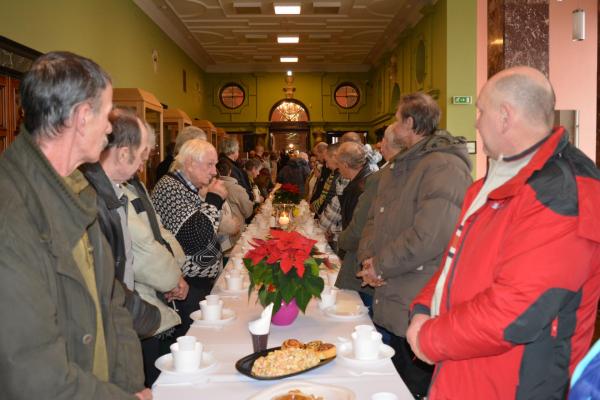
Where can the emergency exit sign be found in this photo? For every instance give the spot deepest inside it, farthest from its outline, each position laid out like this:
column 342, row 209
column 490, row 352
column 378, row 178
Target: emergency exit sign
column 462, row 100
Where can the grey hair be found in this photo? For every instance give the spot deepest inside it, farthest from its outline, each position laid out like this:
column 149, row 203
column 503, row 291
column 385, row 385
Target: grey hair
column 423, row 110
column 126, row 130
column 229, row 146
column 320, row 147
column 151, row 135
column 352, row 154
column 56, row 84
column 530, row 95
column 188, row 133
column 194, row 149
column 351, row 137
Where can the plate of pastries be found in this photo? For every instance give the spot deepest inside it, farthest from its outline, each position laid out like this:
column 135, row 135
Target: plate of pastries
column 291, row 358
column 300, row 390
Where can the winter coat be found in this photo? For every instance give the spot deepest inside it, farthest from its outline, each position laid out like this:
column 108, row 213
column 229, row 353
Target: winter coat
column 295, row 172
column 156, row 269
column 411, row 220
column 520, row 299
column 349, row 238
column 48, row 314
column 241, row 206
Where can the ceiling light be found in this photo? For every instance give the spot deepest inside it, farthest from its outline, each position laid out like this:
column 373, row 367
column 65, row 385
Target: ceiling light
column 578, row 25
column 288, row 39
column 288, row 59
column 290, row 73
column 287, row 9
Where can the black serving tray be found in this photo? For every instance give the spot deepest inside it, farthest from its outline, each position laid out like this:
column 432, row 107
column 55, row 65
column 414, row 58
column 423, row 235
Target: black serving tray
column 244, row 365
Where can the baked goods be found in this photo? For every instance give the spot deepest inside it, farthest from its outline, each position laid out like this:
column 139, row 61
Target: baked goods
column 294, row 356
column 296, row 395
column 284, row 362
column 326, row 350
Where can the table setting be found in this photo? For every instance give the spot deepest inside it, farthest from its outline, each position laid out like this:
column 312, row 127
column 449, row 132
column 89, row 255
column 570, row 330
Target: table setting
column 276, row 300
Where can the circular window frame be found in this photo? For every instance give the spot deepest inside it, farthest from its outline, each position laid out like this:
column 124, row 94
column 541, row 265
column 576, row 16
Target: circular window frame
column 341, row 86
column 227, row 86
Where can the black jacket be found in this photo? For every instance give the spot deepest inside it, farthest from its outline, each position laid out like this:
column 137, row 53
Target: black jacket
column 351, row 193
column 146, row 317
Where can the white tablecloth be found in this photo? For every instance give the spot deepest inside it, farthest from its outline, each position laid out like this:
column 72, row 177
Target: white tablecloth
column 231, row 342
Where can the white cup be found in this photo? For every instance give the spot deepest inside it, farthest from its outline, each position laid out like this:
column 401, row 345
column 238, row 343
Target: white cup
column 186, row 342
column 328, row 297
column 234, row 280
column 211, row 312
column 238, row 263
column 366, row 347
column 212, row 299
column 384, row 396
column 364, row 331
column 186, row 360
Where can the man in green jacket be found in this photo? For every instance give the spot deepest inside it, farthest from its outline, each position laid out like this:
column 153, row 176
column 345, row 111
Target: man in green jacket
column 64, row 331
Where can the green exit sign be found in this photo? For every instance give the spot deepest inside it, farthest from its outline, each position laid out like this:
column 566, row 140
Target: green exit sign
column 462, row 100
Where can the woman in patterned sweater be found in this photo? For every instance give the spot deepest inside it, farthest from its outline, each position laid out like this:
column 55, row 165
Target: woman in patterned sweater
column 189, row 203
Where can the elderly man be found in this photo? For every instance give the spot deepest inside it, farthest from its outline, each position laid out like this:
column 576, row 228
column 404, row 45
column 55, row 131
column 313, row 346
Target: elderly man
column 511, row 310
column 192, row 216
column 230, row 152
column 349, row 238
column 373, row 157
column 64, row 331
column 322, row 172
column 410, row 221
column 127, row 147
column 187, row 133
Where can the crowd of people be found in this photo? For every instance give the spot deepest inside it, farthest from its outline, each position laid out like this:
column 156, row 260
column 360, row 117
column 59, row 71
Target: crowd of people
column 493, row 284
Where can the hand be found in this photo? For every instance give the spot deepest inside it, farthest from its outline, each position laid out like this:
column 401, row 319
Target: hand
column 412, row 335
column 179, row 292
column 217, row 187
column 145, row 394
column 369, row 275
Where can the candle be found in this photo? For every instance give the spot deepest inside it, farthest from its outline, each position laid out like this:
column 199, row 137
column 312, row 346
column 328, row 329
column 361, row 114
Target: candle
column 284, row 219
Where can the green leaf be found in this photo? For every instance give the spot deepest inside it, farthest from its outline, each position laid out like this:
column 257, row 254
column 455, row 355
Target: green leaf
column 302, row 299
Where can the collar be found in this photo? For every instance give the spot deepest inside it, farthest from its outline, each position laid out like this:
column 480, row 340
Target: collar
column 551, row 145
column 102, row 184
column 181, row 176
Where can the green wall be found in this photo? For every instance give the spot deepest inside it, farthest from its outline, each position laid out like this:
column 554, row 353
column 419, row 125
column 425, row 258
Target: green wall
column 114, row 33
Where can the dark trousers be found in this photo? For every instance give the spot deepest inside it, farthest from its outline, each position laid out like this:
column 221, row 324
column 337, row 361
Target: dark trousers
column 415, row 373
column 152, row 348
column 199, row 288
column 367, row 300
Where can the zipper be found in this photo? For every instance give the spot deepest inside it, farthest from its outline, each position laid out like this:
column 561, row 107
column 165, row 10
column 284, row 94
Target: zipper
column 473, row 218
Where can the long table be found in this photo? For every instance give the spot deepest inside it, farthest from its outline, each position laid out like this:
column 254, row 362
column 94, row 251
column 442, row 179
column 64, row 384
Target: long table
column 230, row 342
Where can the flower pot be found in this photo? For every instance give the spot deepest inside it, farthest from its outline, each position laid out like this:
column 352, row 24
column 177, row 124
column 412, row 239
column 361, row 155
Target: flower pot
column 286, row 314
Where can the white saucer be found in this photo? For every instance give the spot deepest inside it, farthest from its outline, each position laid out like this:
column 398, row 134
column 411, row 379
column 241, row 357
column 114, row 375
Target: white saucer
column 348, row 314
column 165, row 364
column 227, row 315
column 346, row 353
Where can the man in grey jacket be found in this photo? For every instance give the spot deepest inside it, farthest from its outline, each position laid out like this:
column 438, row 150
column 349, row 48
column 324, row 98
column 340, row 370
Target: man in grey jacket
column 64, row 332
column 410, row 221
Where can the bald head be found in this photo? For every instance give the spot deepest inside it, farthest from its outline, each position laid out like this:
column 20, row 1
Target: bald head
column 350, row 137
column 528, row 91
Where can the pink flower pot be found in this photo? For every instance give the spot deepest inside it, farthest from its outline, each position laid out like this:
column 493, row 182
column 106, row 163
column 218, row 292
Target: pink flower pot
column 286, row 314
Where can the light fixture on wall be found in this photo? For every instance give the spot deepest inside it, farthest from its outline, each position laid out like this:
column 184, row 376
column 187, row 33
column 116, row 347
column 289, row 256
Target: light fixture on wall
column 578, row 25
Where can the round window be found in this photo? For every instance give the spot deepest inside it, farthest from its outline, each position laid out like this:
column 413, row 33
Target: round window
column 347, row 95
column 232, row 96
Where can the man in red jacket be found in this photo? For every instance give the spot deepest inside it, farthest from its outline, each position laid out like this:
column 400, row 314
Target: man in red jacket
column 511, row 310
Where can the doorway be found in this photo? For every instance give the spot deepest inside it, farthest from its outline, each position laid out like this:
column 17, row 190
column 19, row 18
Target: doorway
column 289, row 126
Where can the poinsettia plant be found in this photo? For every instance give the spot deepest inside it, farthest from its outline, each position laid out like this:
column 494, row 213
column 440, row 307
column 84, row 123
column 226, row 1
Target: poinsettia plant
column 282, row 268
column 287, row 193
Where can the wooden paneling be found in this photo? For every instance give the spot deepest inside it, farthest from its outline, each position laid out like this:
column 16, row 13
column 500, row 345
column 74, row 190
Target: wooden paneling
column 10, row 111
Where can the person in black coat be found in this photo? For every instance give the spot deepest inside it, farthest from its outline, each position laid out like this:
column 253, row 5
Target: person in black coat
column 229, row 153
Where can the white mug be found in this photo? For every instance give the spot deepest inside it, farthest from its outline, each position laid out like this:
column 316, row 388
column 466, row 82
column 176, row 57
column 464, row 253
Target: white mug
column 186, row 360
column 364, row 330
column 328, row 297
column 186, row 342
column 234, row 280
column 212, row 299
column 366, row 347
column 211, row 312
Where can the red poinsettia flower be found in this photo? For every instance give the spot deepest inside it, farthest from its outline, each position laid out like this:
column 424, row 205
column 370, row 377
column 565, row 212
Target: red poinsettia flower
column 290, row 187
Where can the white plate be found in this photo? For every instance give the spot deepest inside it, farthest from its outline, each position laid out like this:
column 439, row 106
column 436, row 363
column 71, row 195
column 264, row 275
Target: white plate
column 346, row 353
column 165, row 364
column 223, row 288
column 346, row 313
column 227, row 315
column 328, row 392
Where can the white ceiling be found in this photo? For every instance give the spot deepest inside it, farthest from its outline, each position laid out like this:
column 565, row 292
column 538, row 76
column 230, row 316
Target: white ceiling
column 241, row 35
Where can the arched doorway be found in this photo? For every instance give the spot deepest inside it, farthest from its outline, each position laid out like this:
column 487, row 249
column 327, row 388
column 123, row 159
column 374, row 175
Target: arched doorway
column 289, row 126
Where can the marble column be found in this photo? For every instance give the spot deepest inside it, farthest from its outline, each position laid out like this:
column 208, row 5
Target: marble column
column 517, row 34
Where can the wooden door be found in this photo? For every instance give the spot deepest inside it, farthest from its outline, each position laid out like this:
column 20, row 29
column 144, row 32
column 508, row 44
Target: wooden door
column 5, row 131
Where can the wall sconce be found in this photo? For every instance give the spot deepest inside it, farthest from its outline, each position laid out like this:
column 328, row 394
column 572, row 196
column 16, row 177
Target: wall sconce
column 578, row 25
